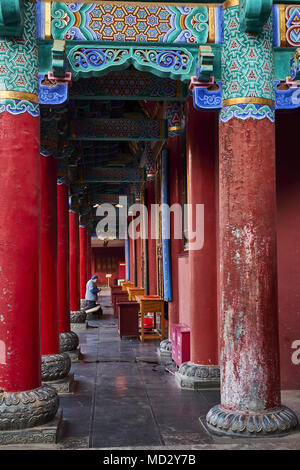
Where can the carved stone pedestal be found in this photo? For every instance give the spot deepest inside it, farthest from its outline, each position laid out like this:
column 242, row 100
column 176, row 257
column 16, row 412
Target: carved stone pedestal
column 78, row 316
column 48, row 433
column 278, row 421
column 68, row 341
column 194, row 376
column 65, row 385
column 75, row 355
column 55, row 366
column 21, row 410
column 165, row 348
column 78, row 326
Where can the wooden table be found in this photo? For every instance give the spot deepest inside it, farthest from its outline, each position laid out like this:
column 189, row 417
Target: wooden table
column 156, row 305
column 133, row 291
column 126, row 284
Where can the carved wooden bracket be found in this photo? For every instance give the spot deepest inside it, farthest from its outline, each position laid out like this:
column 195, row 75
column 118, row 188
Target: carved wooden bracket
column 11, row 18
column 254, row 15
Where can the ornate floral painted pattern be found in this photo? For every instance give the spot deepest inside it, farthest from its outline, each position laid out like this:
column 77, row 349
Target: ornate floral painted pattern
column 119, row 129
column 19, row 107
column 135, row 23
column 19, row 68
column 286, row 25
column 247, row 60
column 19, row 57
column 94, row 60
column 132, row 83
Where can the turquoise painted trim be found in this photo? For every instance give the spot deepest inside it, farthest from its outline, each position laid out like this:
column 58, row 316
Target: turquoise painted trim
column 45, row 58
column 177, row 63
column 19, row 107
column 247, row 111
column 166, row 252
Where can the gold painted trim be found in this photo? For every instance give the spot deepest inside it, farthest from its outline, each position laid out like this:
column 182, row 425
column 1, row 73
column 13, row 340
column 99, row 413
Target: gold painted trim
column 211, row 24
column 48, row 6
column 174, row 128
column 282, row 25
column 18, row 95
column 231, row 3
column 248, row 99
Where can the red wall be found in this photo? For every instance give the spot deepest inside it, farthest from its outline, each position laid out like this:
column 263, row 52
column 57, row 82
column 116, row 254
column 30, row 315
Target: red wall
column 106, row 261
column 288, row 220
column 184, row 289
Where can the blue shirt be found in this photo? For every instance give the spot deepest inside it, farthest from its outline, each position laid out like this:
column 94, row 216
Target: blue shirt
column 91, row 290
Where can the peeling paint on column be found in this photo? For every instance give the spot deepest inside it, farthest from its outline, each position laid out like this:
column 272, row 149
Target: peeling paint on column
column 249, row 357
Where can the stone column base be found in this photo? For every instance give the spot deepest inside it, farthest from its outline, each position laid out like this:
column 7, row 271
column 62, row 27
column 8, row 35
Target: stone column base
column 22, row 410
column 48, row 433
column 78, row 326
column 68, row 341
column 55, row 366
column 78, row 316
column 195, row 376
column 277, row 421
column 65, row 385
column 165, row 348
column 78, row 320
column 75, row 355
column 83, row 303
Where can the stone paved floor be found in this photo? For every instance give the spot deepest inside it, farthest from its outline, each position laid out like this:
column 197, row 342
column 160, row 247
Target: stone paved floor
column 124, row 398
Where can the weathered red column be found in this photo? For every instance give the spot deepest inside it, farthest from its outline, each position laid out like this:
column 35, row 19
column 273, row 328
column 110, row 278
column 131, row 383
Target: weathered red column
column 138, row 262
column 82, row 263
column 150, row 188
column 76, row 315
column 250, row 374
column 88, row 251
column 203, row 369
column 55, row 365
column 174, row 115
column 68, row 340
column 131, row 253
column 20, row 358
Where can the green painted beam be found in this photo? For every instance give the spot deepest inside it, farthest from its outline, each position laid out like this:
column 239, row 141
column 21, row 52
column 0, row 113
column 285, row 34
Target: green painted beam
column 11, row 18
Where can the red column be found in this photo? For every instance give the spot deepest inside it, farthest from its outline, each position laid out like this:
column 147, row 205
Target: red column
column 175, row 197
column 250, row 388
column 68, row 339
column 54, row 365
column 63, row 255
column 150, row 188
column 202, row 370
column 76, row 315
column 88, row 255
column 131, row 251
column 49, row 293
column 20, row 355
column 20, row 360
column 138, row 262
column 83, row 262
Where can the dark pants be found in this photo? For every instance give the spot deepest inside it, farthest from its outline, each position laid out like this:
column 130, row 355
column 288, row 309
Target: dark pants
column 90, row 304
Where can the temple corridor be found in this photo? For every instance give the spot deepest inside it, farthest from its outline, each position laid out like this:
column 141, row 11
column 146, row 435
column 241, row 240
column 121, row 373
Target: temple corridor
column 124, row 398
column 150, row 173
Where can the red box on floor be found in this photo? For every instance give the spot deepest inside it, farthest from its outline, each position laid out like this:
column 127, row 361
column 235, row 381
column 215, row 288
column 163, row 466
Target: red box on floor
column 183, row 345
column 176, row 329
